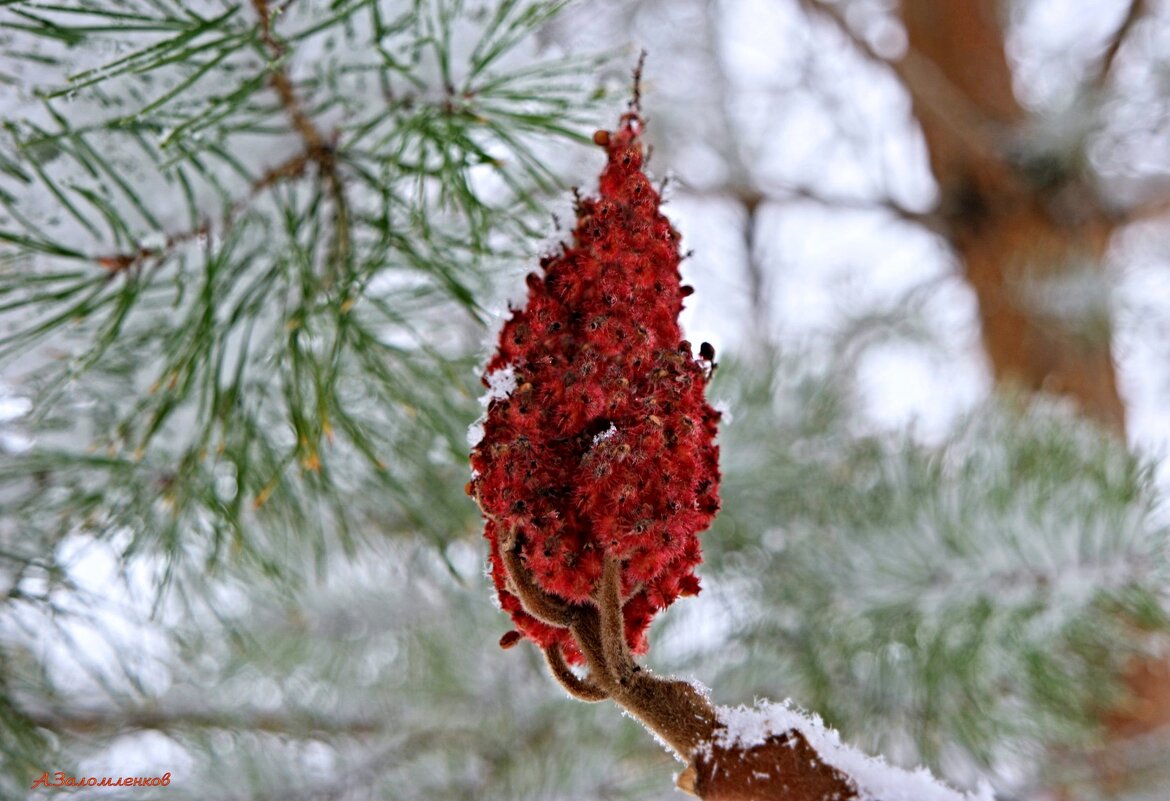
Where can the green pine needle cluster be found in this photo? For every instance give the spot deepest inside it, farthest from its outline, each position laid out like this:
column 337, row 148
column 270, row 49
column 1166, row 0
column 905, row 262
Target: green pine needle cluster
column 971, row 606
column 227, row 246
column 245, row 249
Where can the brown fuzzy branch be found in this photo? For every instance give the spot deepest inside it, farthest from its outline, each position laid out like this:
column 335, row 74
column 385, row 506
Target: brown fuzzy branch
column 536, row 602
column 674, row 710
column 586, row 631
column 579, row 688
column 612, row 622
column 671, row 708
column 784, row 767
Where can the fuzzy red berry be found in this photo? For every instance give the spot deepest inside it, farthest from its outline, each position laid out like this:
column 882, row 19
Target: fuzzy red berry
column 597, row 439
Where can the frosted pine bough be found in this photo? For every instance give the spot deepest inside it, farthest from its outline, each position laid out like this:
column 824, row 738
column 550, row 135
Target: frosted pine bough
column 597, row 469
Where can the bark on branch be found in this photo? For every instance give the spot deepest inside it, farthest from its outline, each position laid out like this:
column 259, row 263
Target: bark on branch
column 783, row 765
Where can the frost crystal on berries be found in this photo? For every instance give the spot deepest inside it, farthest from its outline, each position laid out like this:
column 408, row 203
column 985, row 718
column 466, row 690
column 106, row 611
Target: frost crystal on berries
column 500, row 383
column 597, row 439
column 604, row 435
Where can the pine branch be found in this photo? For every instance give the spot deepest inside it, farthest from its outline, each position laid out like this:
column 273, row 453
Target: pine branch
column 290, row 170
column 283, row 265
column 224, row 312
column 121, row 720
column 317, row 148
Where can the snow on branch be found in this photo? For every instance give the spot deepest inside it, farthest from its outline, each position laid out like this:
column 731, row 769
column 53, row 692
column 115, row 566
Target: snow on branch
column 769, row 728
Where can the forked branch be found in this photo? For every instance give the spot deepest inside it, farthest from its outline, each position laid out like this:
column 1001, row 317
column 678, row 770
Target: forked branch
column 536, row 602
column 784, row 767
column 618, row 661
column 579, row 688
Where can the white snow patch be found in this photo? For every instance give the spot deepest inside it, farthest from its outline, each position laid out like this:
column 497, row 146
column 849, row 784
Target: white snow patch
column 604, row 435
column 475, row 432
column 501, row 384
column 13, row 407
column 155, row 240
column 14, row 442
column 746, row 727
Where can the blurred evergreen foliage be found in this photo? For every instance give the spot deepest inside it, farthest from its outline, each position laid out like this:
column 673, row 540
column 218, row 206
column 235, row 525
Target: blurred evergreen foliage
column 249, row 254
column 969, row 606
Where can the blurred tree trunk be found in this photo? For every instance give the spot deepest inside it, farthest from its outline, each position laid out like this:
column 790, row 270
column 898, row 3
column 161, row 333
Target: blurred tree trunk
column 1022, row 221
column 1030, row 230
